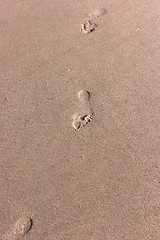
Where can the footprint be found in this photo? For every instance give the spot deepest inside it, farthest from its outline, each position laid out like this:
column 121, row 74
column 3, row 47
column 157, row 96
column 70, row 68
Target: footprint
column 85, row 115
column 88, row 27
column 94, row 21
column 22, row 226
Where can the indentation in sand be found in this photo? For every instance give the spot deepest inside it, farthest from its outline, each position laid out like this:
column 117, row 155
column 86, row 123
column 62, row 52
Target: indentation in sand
column 98, row 13
column 84, row 96
column 93, row 21
column 22, row 226
column 88, row 26
column 85, row 115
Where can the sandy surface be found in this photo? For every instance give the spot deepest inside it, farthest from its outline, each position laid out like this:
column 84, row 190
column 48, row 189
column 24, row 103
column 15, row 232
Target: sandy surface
column 97, row 181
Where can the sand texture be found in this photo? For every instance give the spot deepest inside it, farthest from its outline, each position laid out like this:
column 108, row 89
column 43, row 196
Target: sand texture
column 79, row 120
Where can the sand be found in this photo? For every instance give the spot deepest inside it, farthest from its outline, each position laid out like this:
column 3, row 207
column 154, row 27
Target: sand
column 79, row 120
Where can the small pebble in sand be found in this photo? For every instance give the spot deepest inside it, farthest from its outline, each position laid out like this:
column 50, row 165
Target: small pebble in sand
column 88, row 27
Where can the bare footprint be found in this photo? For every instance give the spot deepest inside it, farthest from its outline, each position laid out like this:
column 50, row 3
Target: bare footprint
column 94, row 21
column 22, row 226
column 85, row 115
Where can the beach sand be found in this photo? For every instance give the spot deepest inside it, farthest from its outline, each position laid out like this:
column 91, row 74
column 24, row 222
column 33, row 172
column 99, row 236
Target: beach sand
column 79, row 120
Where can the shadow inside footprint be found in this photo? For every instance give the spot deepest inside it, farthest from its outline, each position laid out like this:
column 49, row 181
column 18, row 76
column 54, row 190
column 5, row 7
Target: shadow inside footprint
column 80, row 120
column 88, row 27
column 22, row 226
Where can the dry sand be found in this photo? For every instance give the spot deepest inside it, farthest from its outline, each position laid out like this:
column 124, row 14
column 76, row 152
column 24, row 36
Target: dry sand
column 82, row 167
